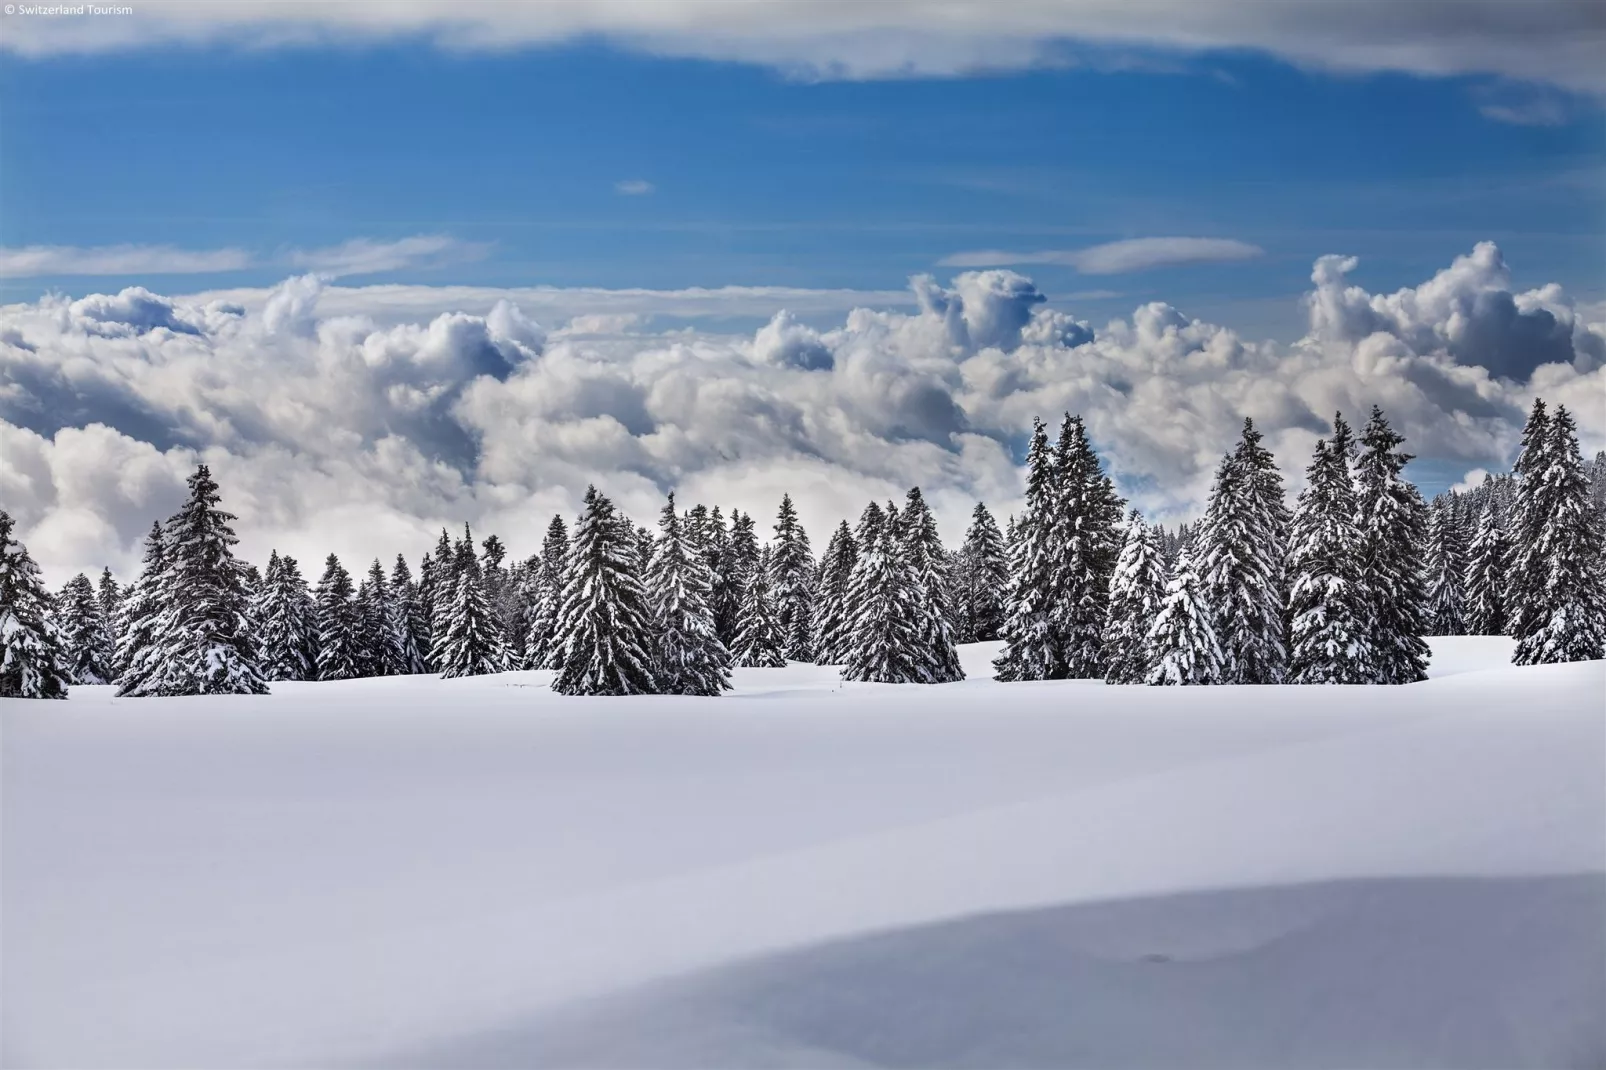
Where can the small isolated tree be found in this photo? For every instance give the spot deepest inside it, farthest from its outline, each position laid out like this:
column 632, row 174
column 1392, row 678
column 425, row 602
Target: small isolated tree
column 1488, row 559
column 32, row 662
column 1182, row 641
column 760, row 640
column 287, row 622
column 1331, row 643
column 884, row 646
column 339, row 657
column 1446, row 567
column 691, row 659
column 981, row 578
column 833, row 622
column 604, row 625
column 1137, row 591
column 85, row 639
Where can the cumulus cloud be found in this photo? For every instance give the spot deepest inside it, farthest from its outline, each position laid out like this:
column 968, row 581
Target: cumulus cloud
column 336, row 423
column 1547, row 41
column 634, row 187
column 1117, row 257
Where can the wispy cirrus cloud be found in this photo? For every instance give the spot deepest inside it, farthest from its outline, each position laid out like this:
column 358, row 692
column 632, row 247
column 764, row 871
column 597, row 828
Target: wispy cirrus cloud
column 1117, row 257
column 359, row 256
column 634, row 187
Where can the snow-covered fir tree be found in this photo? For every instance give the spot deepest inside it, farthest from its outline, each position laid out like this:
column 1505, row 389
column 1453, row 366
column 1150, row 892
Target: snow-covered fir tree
column 1182, row 640
column 470, row 640
column 980, row 578
column 1528, row 571
column 1137, row 591
column 1563, row 605
column 933, row 601
column 1393, row 534
column 1488, row 560
column 32, row 661
column 413, row 621
column 1239, row 553
column 760, row 640
column 424, row 609
column 1031, row 643
column 442, row 576
column 1087, row 540
column 727, row 599
column 287, row 622
column 604, row 621
column 833, row 624
column 381, row 630
column 1446, row 568
column 541, row 647
column 690, row 659
column 139, row 615
column 1330, row 637
column 85, row 639
column 110, row 596
column 883, row 645
column 738, row 557
column 203, row 639
column 792, row 579
column 339, row 652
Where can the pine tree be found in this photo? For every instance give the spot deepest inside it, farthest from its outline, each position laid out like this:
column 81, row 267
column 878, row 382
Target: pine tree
column 738, row 557
column 690, row 658
column 604, row 623
column 933, row 602
column 287, row 622
column 981, row 578
column 82, row 633
column 1032, row 649
column 727, row 600
column 1328, row 609
column 110, row 597
column 339, row 657
column 760, row 641
column 1488, row 560
column 1563, row 600
column 424, row 608
column 1182, row 640
column 1446, row 564
column 792, row 579
column 542, row 650
column 1393, row 533
column 412, row 624
column 1137, row 591
column 1088, row 516
column 138, row 617
column 832, row 620
column 32, row 661
column 469, row 635
column 203, row 638
column 1241, row 548
column 380, row 628
column 883, row 646
column 442, row 591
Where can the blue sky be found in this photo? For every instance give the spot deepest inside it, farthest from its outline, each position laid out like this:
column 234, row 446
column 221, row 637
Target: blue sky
column 758, row 178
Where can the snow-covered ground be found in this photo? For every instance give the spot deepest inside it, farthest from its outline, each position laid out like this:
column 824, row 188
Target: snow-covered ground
column 482, row 873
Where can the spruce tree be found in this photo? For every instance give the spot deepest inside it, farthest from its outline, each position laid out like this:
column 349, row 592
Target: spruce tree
column 424, row 609
column 412, row 618
column 792, row 579
column 738, row 559
column 1563, row 605
column 933, row 601
column 203, row 638
column 883, row 645
column 833, row 622
column 339, row 656
column 470, row 640
column 604, row 623
column 760, row 642
column 380, row 628
column 138, row 617
column 287, row 622
column 728, row 588
column 1446, row 565
column 690, row 658
column 541, row 647
column 1240, row 551
column 1088, row 517
column 1032, row 649
column 1488, row 560
column 82, row 632
column 110, row 597
column 1137, row 591
column 32, row 661
column 1330, row 639
column 1393, row 534
column 442, row 592
column 1182, row 646
column 981, row 578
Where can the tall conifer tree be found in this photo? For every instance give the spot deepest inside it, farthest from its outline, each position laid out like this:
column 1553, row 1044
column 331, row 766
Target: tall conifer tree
column 981, row 579
column 1137, row 591
column 1488, row 561
column 85, row 639
column 1446, row 567
column 1328, row 606
column 690, row 658
column 760, row 641
column 1182, row 640
column 1032, row 650
column 933, row 602
column 1393, row 535
column 32, row 661
column 833, row 621
column 605, row 623
column 792, row 579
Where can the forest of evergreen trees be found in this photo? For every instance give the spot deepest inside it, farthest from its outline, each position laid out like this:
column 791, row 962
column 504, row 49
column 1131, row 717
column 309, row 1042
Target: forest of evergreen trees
column 1341, row 588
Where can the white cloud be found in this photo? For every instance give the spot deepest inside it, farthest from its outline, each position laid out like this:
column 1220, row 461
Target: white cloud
column 361, row 420
column 634, row 187
column 365, row 256
column 35, row 261
column 1548, row 41
column 1117, row 257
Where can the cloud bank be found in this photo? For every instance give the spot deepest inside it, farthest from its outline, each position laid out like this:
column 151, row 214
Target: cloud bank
column 1557, row 42
column 361, row 420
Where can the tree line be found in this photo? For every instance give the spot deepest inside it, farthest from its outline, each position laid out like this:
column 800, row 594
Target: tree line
column 1339, row 589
